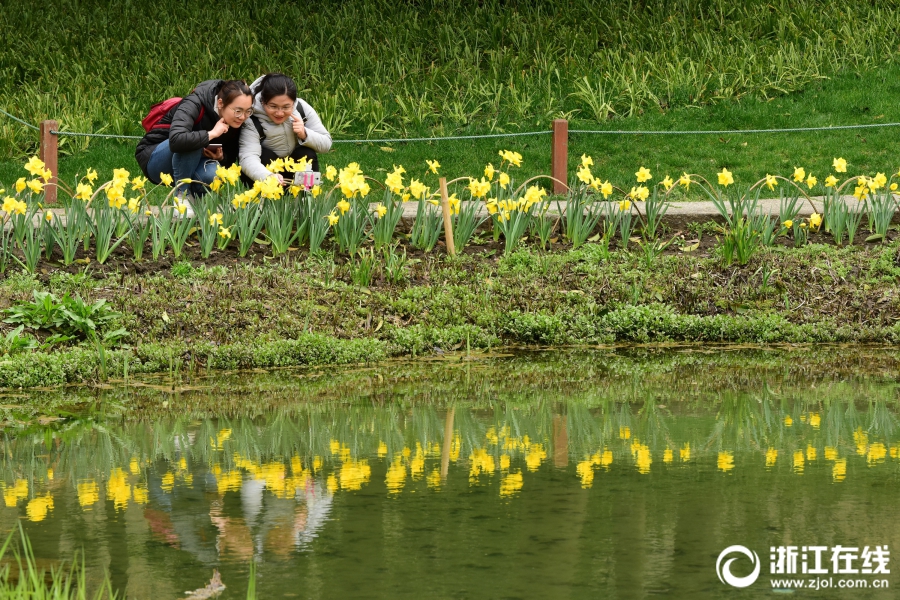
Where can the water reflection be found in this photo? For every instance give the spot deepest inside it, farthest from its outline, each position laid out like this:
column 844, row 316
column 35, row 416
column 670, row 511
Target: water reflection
column 619, row 468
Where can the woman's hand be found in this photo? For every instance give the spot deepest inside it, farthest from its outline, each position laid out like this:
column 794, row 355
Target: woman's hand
column 280, row 178
column 300, row 130
column 220, row 129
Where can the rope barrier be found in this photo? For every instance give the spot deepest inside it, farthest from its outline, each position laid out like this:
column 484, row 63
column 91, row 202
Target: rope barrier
column 520, row 134
column 98, row 135
column 27, row 124
column 731, row 131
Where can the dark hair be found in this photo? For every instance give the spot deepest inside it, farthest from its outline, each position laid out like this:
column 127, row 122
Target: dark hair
column 275, row 84
column 231, row 89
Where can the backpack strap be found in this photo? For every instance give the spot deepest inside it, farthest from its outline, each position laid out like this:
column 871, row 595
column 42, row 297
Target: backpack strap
column 301, row 111
column 259, row 129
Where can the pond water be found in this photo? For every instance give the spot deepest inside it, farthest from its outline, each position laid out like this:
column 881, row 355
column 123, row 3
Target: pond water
column 604, row 473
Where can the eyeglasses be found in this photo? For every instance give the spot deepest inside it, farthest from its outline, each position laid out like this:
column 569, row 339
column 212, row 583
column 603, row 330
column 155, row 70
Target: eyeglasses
column 242, row 113
column 279, row 109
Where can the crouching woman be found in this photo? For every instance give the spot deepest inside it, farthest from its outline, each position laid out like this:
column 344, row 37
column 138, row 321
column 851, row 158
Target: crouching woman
column 196, row 136
column 282, row 126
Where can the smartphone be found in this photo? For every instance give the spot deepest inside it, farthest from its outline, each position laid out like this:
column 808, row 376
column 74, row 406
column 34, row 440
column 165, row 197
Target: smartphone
column 214, row 147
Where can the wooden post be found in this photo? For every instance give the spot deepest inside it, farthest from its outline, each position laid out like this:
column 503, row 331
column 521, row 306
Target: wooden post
column 559, row 159
column 448, row 224
column 49, row 154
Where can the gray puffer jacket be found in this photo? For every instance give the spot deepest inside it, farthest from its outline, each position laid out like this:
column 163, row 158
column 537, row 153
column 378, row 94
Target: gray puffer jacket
column 280, row 139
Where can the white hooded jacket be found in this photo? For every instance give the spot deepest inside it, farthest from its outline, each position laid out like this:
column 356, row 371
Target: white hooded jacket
column 280, row 139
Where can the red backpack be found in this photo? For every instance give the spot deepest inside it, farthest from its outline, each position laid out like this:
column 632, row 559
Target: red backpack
column 160, row 110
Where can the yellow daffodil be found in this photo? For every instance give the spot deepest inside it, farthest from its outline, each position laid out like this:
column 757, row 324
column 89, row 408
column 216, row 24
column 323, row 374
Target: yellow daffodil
column 861, row 192
column 121, row 175
column 134, row 205
column 330, row 173
column 48, row 215
column 394, row 180
column 667, row 183
column 317, row 189
column 181, row 207
column 586, row 161
column 503, row 180
column 840, row 165
column 91, row 176
column 478, row 189
column 893, row 187
column 811, row 181
column 799, row 174
column 381, row 210
column 433, row 166
column 47, row 175
column 685, row 180
column 643, row 174
column 489, row 172
column 165, row 179
column 454, row 204
column 584, row 174
column 606, row 189
column 138, row 183
column 513, row 158
column 35, row 166
column 343, row 206
column 295, row 190
column 276, row 166
column 20, row 185
column 831, row 181
column 815, row 220
column 225, row 233
column 639, row 193
column 333, row 219
column 491, row 206
column 788, row 224
column 83, row 192
column 117, row 201
column 879, row 181
column 216, row 185
column 771, row 181
column 36, row 186
column 725, row 178
column 625, row 205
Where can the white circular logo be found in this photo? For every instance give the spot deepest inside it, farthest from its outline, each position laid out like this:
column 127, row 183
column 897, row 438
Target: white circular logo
column 724, row 570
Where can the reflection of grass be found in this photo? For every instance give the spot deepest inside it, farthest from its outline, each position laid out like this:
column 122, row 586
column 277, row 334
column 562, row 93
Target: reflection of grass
column 22, row 578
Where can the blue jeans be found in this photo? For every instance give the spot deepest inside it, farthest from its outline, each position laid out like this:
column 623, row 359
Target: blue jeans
column 182, row 165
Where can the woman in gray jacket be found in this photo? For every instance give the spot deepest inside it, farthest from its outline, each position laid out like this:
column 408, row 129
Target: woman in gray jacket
column 282, row 125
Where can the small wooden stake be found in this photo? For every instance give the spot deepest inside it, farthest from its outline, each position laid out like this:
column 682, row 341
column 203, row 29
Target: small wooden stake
column 448, row 224
column 48, row 153
column 559, row 158
column 448, row 441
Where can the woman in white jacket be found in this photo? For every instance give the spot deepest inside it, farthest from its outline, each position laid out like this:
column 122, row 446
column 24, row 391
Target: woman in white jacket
column 282, row 125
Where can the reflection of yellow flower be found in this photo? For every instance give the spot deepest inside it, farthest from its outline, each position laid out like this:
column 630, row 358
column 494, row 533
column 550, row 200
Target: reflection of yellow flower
column 668, row 455
column 510, row 484
column 38, row 507
column 799, row 462
column 685, row 453
column 88, row 493
column 585, row 470
column 642, row 457
column 16, row 492
column 725, row 461
column 395, row 477
column 771, row 457
column 788, row 421
column 839, row 470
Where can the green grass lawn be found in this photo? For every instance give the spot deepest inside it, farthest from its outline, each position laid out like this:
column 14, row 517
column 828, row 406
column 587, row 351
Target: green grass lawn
column 848, row 98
